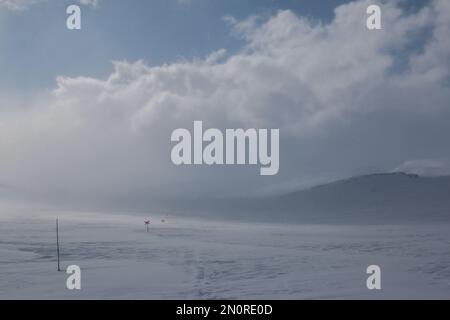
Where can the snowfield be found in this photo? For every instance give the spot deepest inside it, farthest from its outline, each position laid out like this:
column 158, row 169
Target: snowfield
column 193, row 259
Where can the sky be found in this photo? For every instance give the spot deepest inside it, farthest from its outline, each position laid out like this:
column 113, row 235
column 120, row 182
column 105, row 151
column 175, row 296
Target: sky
column 86, row 115
column 157, row 31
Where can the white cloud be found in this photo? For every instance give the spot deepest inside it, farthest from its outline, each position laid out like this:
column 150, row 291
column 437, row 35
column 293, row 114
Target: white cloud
column 90, row 2
column 103, row 135
column 17, row 4
column 25, row 4
column 425, row 167
column 293, row 74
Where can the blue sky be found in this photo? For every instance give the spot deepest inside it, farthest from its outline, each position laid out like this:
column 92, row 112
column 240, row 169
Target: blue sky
column 36, row 46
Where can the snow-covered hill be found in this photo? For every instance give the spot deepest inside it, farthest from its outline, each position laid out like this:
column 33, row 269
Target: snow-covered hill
column 376, row 198
column 384, row 198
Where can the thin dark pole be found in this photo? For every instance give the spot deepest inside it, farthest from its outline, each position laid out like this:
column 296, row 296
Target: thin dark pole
column 57, row 242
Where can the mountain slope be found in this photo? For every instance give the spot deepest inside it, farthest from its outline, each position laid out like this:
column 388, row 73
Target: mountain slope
column 387, row 197
column 376, row 198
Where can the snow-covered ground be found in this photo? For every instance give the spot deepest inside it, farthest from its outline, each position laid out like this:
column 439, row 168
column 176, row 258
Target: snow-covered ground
column 193, row 259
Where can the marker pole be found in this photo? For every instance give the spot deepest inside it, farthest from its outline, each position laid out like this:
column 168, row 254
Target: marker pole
column 57, row 242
